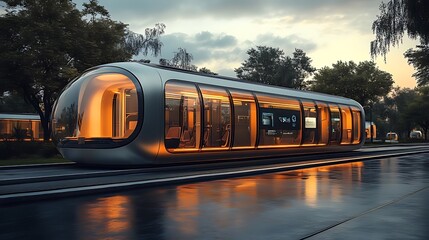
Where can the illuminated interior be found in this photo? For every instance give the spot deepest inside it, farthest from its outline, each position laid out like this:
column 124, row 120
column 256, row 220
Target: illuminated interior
column 103, row 106
column 309, row 134
column 217, row 118
column 357, row 125
column 182, row 116
column 229, row 119
column 335, row 135
column 323, row 117
column 346, row 115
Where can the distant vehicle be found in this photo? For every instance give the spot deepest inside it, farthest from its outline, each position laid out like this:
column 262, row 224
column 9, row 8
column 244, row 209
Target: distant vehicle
column 416, row 134
column 133, row 113
column 391, row 137
column 368, row 126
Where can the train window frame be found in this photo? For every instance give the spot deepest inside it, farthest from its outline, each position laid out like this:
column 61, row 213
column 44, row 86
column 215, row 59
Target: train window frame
column 228, row 130
column 310, row 103
column 198, row 128
column 360, row 138
column 102, row 142
column 348, row 119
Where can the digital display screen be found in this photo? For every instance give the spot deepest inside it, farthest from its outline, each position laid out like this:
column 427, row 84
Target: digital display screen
column 280, row 119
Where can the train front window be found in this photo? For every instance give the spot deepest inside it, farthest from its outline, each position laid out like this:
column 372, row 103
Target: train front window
column 96, row 108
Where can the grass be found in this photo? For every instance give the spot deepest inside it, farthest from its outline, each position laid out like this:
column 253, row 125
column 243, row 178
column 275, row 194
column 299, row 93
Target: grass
column 31, row 160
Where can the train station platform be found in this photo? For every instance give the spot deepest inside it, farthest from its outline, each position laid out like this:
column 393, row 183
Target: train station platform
column 381, row 198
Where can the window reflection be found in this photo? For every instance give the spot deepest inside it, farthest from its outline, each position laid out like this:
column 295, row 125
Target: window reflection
column 107, row 217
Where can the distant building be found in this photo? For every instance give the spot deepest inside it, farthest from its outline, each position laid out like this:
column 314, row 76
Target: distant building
column 20, row 127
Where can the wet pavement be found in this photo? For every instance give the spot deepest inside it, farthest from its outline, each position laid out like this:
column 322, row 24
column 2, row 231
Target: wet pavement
column 377, row 199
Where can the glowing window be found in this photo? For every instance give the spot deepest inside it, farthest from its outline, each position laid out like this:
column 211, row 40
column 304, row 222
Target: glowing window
column 182, row 117
column 310, row 123
column 96, row 108
column 357, row 125
column 346, row 115
column 217, row 118
column 323, row 122
column 335, row 135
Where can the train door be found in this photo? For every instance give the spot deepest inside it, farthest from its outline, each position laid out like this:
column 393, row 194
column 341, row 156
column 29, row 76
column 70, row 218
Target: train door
column 310, row 133
column 357, row 125
column 323, row 122
column 245, row 118
column 335, row 136
column 346, row 115
column 182, row 117
column 217, row 118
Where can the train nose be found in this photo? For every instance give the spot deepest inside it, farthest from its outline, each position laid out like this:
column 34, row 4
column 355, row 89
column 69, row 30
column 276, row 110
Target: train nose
column 99, row 108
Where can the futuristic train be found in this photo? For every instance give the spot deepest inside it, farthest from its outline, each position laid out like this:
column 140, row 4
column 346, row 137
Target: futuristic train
column 137, row 114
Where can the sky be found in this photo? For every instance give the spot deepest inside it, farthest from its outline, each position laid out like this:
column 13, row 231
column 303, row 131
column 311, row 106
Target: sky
column 218, row 33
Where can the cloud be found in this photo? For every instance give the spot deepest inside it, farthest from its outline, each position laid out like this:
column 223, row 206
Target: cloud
column 203, row 46
column 147, row 13
column 216, row 41
column 287, row 44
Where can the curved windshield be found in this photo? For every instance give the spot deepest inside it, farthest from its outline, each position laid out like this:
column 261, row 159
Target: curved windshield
column 96, row 108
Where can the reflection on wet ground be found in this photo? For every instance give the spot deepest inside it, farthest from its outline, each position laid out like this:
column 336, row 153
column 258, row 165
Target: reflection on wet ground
column 287, row 205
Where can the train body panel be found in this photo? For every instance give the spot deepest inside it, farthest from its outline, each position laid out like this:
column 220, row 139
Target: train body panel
column 136, row 114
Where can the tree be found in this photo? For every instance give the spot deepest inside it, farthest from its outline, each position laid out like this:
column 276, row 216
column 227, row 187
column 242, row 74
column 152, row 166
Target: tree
column 261, row 66
column 294, row 71
column 397, row 17
column 270, row 66
column 398, row 110
column 415, row 112
column 420, row 60
column 45, row 43
column 363, row 82
column 206, row 71
column 181, row 59
column 11, row 102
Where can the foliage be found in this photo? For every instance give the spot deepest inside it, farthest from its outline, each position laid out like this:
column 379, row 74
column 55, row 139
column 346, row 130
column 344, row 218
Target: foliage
column 181, row 59
column 415, row 112
column 206, row 71
column 45, row 43
column 397, row 17
column 420, row 60
column 270, row 66
column 363, row 82
column 261, row 66
column 12, row 102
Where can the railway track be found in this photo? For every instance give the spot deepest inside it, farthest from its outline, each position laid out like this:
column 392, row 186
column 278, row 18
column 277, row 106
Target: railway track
column 40, row 182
